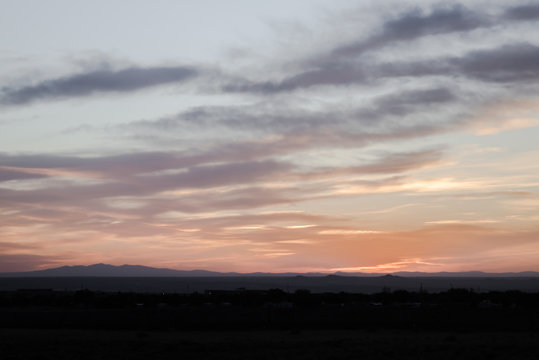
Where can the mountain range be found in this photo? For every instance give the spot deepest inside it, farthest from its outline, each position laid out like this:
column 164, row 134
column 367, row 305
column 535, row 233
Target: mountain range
column 106, row 270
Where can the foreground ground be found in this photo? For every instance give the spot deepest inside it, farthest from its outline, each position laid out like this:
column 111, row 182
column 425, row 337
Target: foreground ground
column 319, row 344
column 271, row 324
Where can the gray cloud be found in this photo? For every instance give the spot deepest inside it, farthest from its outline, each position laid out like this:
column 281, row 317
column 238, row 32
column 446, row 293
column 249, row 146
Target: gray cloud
column 326, row 74
column 243, row 198
column 200, row 177
column 218, row 175
column 341, row 74
column 212, row 176
column 524, row 12
column 320, row 137
column 507, row 63
column 91, row 207
column 503, row 64
column 344, row 64
column 341, row 65
column 262, row 118
column 8, row 174
column 415, row 24
column 258, row 117
column 76, row 85
column 112, row 165
column 405, row 102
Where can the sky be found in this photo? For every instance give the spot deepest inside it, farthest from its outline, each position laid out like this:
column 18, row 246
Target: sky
column 274, row 136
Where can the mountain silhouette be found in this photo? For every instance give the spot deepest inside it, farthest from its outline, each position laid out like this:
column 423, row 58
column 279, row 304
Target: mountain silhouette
column 106, row 270
column 111, row 270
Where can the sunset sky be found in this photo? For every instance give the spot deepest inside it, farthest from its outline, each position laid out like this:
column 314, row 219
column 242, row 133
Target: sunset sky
column 275, row 136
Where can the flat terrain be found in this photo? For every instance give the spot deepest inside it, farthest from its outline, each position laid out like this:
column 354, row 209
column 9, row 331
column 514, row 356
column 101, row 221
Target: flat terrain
column 291, row 283
column 269, row 324
column 323, row 344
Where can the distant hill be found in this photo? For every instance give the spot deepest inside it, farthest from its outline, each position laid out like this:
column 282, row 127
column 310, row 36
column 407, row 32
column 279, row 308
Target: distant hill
column 111, row 270
column 105, row 270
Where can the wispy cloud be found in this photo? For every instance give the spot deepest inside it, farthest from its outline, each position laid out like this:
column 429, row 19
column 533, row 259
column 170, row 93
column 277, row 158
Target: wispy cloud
column 414, row 24
column 96, row 81
column 504, row 64
column 7, row 174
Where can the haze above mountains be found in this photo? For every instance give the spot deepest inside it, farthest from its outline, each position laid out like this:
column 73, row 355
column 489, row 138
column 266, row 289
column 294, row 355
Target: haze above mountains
column 106, row 270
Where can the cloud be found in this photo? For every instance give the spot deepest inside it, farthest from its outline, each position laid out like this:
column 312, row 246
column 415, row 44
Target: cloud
column 266, row 129
column 10, row 174
column 327, row 74
column 289, row 121
column 109, row 165
column 507, row 63
column 524, row 12
column 197, row 177
column 407, row 102
column 219, row 175
column 138, row 182
column 415, row 24
column 344, row 64
column 502, row 64
column 390, row 164
column 128, row 164
column 206, row 168
column 129, row 204
column 105, row 80
column 262, row 219
column 250, row 197
column 355, row 62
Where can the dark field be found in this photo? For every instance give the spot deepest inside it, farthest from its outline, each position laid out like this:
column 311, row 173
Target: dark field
column 458, row 323
column 291, row 283
column 264, row 344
